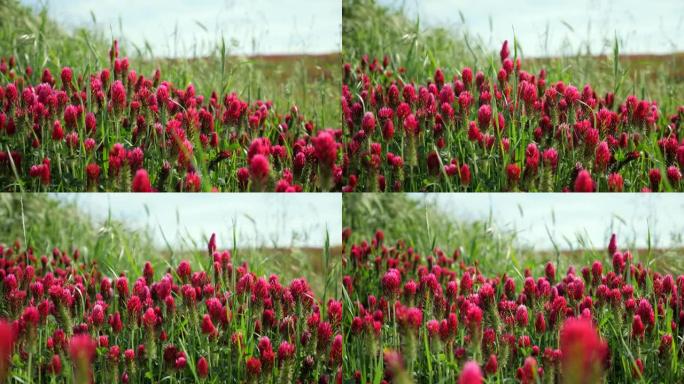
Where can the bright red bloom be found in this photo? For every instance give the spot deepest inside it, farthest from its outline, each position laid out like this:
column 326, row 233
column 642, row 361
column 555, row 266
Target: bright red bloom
column 150, row 317
column 471, row 374
column 326, row 149
column 184, row 269
column 583, row 182
column 259, row 169
column 55, row 365
column 336, row 349
column 550, row 157
column 484, row 116
column 637, row 327
column 57, row 131
column 674, row 175
column 6, row 342
column 528, row 373
column 82, row 348
column 192, row 182
column 492, row 365
column 615, row 182
column 141, row 181
column 465, row 174
column 253, row 367
column 208, row 327
column 285, row 352
column 603, row 155
column 202, row 367
column 118, row 95
column 82, row 351
column 411, row 125
column 513, row 174
column 654, row 178
column 391, row 282
column 612, row 245
column 368, row 122
column 505, row 51
column 521, row 316
column 67, row 75
column 583, row 351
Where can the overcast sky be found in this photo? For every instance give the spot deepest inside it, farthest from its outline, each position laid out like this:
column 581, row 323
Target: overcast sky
column 258, row 26
column 593, row 216
column 655, row 26
column 261, row 218
column 302, row 219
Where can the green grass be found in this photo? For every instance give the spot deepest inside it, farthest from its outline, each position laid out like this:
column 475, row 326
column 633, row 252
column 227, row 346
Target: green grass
column 310, row 82
column 414, row 53
column 495, row 250
column 45, row 223
column 374, row 30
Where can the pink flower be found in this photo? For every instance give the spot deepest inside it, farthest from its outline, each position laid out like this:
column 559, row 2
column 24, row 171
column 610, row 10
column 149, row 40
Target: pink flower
column 150, row 317
column 583, row 351
column 583, row 182
column 285, row 352
column 208, row 327
column 368, row 122
column 66, row 75
column 521, row 316
column 259, row 169
column 505, row 51
column 57, row 131
column 492, row 365
column 6, row 342
column 141, row 181
column 391, row 282
column 637, row 327
column 118, row 95
column 325, row 149
column 202, row 367
column 484, row 116
column 253, row 367
column 615, row 182
column 513, row 174
column 471, row 374
column 82, row 351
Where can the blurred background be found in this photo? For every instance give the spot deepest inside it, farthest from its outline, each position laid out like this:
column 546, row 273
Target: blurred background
column 559, row 27
column 254, row 219
column 286, row 51
column 293, row 235
column 178, row 28
column 514, row 231
column 568, row 221
column 616, row 46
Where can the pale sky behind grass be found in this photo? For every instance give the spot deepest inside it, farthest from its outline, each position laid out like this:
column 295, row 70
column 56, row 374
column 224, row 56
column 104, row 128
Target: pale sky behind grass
column 260, row 219
column 655, row 26
column 591, row 216
column 258, row 26
column 301, row 219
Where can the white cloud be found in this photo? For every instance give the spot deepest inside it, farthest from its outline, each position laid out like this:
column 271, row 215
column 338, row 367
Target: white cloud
column 593, row 216
column 259, row 26
column 655, row 28
column 259, row 218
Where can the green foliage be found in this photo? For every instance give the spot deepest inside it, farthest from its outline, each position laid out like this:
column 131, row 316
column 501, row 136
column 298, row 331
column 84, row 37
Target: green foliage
column 422, row 224
column 374, row 30
column 310, row 82
column 44, row 223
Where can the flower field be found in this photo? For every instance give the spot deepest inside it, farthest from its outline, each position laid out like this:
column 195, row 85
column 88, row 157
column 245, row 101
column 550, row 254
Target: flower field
column 501, row 128
column 117, row 130
column 434, row 318
column 68, row 320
